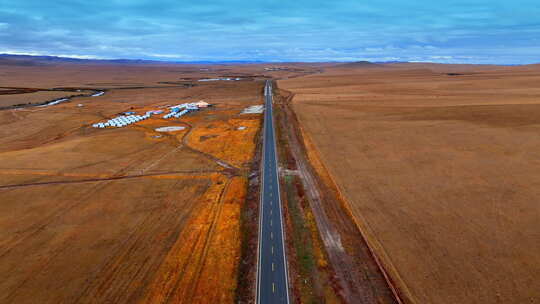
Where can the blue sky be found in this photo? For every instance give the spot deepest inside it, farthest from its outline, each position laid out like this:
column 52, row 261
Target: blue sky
column 472, row 31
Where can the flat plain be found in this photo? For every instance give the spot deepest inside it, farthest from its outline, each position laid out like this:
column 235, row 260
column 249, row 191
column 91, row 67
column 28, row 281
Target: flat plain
column 125, row 215
column 439, row 166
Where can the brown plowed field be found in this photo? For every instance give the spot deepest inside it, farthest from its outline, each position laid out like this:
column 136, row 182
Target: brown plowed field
column 440, row 169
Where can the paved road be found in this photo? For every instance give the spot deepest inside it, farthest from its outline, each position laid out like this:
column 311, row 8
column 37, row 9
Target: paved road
column 272, row 284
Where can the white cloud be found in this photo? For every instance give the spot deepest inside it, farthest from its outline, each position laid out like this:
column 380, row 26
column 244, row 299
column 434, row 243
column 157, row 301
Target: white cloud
column 441, row 57
column 168, row 56
column 31, row 53
column 79, row 56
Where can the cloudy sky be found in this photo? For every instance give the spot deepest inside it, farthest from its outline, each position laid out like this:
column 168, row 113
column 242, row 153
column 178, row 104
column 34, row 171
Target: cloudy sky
column 469, row 31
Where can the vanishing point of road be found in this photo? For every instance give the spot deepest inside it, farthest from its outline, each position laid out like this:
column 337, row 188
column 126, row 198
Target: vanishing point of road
column 272, row 281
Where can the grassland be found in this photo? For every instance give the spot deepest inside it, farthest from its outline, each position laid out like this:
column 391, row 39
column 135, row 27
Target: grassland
column 438, row 166
column 125, row 215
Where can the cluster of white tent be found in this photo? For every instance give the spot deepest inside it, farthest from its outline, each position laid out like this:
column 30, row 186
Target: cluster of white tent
column 175, row 111
column 121, row 121
column 175, row 114
column 182, row 109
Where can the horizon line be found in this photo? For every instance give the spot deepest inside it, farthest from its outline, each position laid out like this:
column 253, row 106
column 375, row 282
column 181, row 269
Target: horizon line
column 240, row 61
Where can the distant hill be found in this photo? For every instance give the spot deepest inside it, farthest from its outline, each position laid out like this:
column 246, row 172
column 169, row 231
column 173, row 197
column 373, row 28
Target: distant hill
column 359, row 64
column 28, row 60
column 9, row 60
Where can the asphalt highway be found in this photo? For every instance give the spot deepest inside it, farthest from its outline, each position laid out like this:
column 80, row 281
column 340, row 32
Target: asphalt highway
column 272, row 281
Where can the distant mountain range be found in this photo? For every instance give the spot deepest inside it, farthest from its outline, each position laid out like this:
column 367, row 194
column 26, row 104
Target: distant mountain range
column 29, row 60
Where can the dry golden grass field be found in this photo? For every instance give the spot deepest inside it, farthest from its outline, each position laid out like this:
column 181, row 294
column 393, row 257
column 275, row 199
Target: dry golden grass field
column 438, row 165
column 440, row 168
column 125, row 215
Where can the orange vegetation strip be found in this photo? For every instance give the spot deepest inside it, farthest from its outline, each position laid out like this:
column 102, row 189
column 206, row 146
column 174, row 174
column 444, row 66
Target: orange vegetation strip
column 201, row 266
column 225, row 141
column 218, row 277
